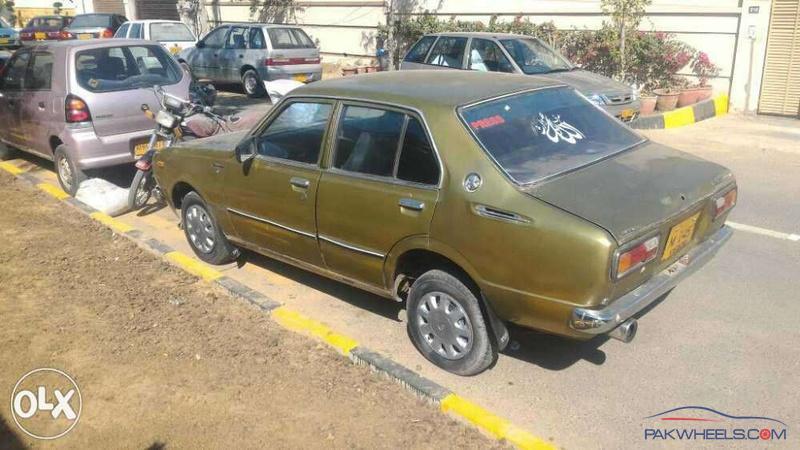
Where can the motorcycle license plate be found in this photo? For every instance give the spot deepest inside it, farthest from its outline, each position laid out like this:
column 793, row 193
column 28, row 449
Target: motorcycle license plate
column 141, row 149
column 4, row 41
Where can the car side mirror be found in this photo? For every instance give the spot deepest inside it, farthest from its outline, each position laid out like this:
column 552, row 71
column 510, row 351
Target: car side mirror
column 246, row 150
column 200, row 44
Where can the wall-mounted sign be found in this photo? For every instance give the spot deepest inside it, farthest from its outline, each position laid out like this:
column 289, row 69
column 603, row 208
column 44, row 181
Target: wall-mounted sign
column 754, row 9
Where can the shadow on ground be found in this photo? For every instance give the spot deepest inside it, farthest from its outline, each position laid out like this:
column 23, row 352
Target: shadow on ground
column 9, row 439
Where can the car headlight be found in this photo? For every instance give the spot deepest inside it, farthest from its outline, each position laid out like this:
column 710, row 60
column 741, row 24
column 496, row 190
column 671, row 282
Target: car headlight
column 597, row 99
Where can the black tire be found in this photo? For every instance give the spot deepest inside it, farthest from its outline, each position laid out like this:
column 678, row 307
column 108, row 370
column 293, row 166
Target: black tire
column 252, row 85
column 141, row 188
column 477, row 351
column 6, row 152
column 198, row 229
column 69, row 175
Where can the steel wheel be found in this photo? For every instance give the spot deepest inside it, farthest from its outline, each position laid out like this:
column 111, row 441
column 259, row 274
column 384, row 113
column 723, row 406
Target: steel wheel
column 250, row 83
column 200, row 229
column 445, row 325
column 65, row 173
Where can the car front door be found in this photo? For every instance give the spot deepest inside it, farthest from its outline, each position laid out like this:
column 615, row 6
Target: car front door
column 11, row 94
column 204, row 57
column 380, row 188
column 272, row 198
column 232, row 55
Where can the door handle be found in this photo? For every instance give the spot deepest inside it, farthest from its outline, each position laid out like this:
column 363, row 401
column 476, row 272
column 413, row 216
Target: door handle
column 41, row 106
column 217, row 167
column 241, row 56
column 300, row 182
column 410, row 203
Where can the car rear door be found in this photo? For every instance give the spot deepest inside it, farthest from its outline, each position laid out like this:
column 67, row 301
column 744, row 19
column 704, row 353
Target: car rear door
column 380, row 188
column 38, row 109
column 11, row 93
column 447, row 53
column 272, row 198
column 204, row 59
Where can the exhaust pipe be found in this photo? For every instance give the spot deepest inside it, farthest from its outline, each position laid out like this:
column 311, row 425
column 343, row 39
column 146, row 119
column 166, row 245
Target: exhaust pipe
column 625, row 332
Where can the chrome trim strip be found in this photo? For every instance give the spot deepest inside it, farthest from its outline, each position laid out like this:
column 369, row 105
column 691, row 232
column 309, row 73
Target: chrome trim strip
column 498, row 214
column 352, row 247
column 270, row 222
column 599, row 321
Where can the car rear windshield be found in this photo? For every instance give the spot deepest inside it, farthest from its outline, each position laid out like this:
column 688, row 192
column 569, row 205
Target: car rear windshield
column 46, row 22
column 288, row 38
column 533, row 56
column 125, row 67
column 170, row 32
column 91, row 21
column 536, row 135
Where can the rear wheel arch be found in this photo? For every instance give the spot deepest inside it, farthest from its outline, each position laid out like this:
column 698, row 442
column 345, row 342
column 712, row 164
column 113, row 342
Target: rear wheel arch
column 245, row 68
column 55, row 141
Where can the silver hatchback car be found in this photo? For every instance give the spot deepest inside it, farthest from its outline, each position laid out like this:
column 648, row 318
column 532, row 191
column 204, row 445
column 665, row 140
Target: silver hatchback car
column 80, row 103
column 514, row 53
column 252, row 53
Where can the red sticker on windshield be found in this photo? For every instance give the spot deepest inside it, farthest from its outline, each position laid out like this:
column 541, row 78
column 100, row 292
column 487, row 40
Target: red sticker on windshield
column 487, row 122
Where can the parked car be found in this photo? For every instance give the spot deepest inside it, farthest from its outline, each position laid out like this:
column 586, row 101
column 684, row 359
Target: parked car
column 9, row 37
column 175, row 36
column 477, row 199
column 4, row 57
column 94, row 26
column 45, row 28
column 512, row 53
column 252, row 53
column 79, row 103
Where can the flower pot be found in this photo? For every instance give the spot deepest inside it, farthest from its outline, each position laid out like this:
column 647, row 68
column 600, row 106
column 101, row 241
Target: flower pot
column 373, row 69
column 667, row 99
column 692, row 95
column 350, row 71
column 648, row 103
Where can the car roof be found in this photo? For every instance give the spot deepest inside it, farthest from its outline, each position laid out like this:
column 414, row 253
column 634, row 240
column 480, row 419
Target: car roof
column 262, row 25
column 425, row 88
column 146, row 21
column 88, row 44
column 482, row 34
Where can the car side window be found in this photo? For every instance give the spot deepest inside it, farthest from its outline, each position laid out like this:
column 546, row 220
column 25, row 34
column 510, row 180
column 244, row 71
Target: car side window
column 257, row 39
column 136, row 31
column 297, row 133
column 419, row 51
column 237, row 38
column 486, row 56
column 123, row 31
column 14, row 77
column 367, row 140
column 448, row 52
column 215, row 38
column 417, row 161
column 41, row 72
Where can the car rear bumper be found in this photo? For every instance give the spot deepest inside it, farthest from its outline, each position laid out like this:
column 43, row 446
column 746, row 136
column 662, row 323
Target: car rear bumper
column 601, row 321
column 312, row 72
column 90, row 151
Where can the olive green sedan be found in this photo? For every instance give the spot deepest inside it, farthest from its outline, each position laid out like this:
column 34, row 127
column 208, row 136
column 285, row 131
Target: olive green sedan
column 478, row 199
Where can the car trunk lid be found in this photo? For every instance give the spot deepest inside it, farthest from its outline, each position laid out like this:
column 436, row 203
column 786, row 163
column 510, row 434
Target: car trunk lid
column 637, row 190
column 121, row 111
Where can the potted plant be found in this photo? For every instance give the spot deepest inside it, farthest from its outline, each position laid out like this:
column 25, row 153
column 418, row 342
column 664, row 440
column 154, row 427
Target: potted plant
column 704, row 69
column 648, row 103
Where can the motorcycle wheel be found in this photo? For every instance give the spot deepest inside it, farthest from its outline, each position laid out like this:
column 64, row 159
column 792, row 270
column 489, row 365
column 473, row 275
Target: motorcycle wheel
column 140, row 190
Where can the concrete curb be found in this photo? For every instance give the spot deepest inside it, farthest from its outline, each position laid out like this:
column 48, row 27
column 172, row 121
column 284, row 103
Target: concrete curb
column 448, row 402
column 687, row 115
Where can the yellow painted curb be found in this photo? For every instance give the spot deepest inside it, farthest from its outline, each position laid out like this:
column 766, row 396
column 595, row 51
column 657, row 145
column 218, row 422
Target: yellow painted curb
column 721, row 105
column 679, row 117
column 297, row 322
column 10, row 168
column 53, row 191
column 193, row 266
column 496, row 426
column 114, row 224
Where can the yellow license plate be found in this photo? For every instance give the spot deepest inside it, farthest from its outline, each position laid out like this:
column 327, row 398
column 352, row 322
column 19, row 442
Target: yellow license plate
column 175, row 50
column 85, row 36
column 679, row 236
column 40, row 36
column 301, row 77
column 141, row 149
column 626, row 114
column 3, row 40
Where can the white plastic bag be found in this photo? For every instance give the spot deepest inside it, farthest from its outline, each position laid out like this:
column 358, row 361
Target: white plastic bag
column 279, row 88
column 103, row 196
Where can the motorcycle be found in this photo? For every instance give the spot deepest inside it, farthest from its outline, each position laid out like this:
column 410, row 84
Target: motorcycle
column 177, row 120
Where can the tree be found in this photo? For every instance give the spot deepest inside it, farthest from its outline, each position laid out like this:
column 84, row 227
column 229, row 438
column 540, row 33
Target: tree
column 274, row 11
column 626, row 15
column 57, row 7
column 7, row 11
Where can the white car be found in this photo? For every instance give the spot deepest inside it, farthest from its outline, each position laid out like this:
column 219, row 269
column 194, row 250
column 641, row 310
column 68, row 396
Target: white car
column 175, row 36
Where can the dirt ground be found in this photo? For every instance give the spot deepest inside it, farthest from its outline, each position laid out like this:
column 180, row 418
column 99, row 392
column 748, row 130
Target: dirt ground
column 166, row 361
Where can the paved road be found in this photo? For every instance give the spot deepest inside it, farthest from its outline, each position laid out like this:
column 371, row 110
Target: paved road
column 727, row 338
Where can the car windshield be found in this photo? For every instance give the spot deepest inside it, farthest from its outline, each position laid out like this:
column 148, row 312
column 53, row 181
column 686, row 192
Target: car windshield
column 170, row 32
column 91, row 21
column 539, row 134
column 126, row 67
column 534, row 57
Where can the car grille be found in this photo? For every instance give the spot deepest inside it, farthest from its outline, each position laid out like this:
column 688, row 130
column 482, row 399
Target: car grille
column 620, row 99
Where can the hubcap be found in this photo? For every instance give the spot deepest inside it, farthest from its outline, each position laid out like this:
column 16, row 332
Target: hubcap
column 200, row 229
column 444, row 325
column 250, row 83
column 65, row 172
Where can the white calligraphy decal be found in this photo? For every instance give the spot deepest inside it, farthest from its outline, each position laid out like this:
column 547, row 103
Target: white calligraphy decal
column 556, row 130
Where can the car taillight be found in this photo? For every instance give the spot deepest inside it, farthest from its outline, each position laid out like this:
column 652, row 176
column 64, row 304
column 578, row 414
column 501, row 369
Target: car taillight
column 77, row 110
column 724, row 203
column 25, row 36
column 142, row 164
column 636, row 256
column 107, row 33
column 66, row 35
column 277, row 62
